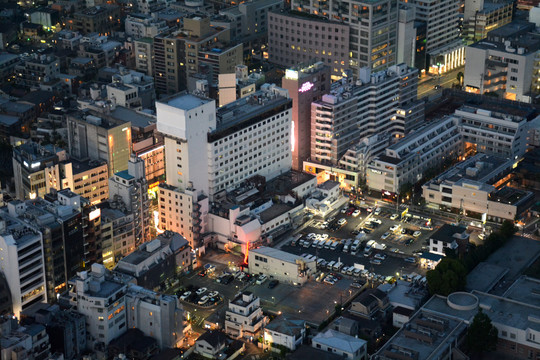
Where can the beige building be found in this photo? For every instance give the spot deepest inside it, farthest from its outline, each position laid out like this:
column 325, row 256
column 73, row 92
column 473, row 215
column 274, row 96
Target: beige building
column 281, row 265
column 144, row 55
column 87, row 178
column 118, row 238
column 98, row 19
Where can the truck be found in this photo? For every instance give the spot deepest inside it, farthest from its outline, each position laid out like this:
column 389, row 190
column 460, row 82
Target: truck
column 355, row 247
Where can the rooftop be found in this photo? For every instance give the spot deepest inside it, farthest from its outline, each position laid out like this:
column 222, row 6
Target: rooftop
column 276, row 254
column 84, row 166
column 340, row 341
column 125, row 175
column 525, row 289
column 283, row 325
column 185, row 101
column 510, row 195
column 446, row 233
column 485, row 276
column 274, row 211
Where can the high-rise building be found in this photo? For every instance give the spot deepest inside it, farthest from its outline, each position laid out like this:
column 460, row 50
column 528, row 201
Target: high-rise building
column 247, row 137
column 144, row 55
column 244, row 317
column 373, row 26
column 22, row 259
column 176, row 56
column 95, row 135
column 480, row 17
column 118, row 238
column 312, row 38
column 305, row 83
column 130, row 187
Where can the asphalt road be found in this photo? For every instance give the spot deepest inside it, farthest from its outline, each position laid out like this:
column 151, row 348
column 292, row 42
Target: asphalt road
column 426, row 86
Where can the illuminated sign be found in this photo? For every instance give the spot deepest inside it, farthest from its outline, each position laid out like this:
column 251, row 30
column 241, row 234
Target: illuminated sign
column 376, row 171
column 94, row 214
column 291, row 74
column 306, row 87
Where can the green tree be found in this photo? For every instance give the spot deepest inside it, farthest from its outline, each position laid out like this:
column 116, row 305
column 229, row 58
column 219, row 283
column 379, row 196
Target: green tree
column 449, row 276
column 508, row 229
column 482, row 336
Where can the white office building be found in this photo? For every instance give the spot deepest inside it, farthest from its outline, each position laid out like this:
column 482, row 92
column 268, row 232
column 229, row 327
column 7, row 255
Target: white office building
column 244, row 317
column 281, row 265
column 22, row 260
column 140, row 25
column 209, row 151
column 405, row 161
column 503, row 63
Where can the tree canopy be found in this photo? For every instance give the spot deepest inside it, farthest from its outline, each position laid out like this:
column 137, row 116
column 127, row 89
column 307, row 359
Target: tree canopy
column 482, row 336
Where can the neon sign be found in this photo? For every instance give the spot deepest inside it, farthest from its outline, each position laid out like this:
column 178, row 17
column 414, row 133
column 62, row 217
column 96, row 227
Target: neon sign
column 306, row 87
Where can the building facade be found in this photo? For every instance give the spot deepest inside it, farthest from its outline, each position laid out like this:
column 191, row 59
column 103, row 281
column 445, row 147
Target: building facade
column 244, row 317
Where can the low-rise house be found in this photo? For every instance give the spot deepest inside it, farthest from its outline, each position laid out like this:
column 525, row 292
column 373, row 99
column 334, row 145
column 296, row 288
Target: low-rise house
column 285, row 332
column 338, row 343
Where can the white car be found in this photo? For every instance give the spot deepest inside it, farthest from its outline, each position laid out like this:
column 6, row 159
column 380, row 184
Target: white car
column 394, row 216
column 213, row 294
column 356, row 213
column 416, row 233
column 380, row 256
column 385, row 235
column 394, row 228
column 201, row 291
column 261, row 279
column 324, row 237
column 342, row 221
column 377, row 211
column 203, row 300
column 310, row 236
column 185, row 295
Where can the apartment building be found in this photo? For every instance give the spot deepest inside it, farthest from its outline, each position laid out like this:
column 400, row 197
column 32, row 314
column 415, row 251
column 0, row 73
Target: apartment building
column 117, row 233
column 131, row 89
column 102, row 19
column 480, row 17
column 503, row 63
column 405, row 161
column 244, row 317
column 86, row 178
column 176, row 56
column 281, row 331
column 22, row 261
column 131, row 188
column 144, row 55
column 249, row 20
column 372, row 29
column 36, row 169
column 221, row 59
column 295, row 38
column 36, row 69
column 383, row 102
column 305, row 84
column 494, row 129
column 95, row 135
column 141, row 26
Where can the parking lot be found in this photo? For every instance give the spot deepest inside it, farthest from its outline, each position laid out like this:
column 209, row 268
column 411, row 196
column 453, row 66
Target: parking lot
column 397, row 246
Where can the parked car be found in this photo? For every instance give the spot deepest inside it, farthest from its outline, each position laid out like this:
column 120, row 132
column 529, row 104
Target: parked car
column 377, row 211
column 213, row 294
column 356, row 213
column 272, row 284
column 410, row 260
column 201, row 291
column 342, row 221
column 417, row 233
column 203, row 300
column 385, row 236
column 227, row 279
column 375, row 262
column 185, row 295
column 380, row 256
column 262, row 278
column 394, row 228
column 394, row 216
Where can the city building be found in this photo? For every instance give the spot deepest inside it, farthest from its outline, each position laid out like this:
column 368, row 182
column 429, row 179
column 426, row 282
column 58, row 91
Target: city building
column 244, row 317
column 406, row 35
column 176, row 56
column 427, row 335
column 372, row 29
column 444, row 48
column 102, row 19
column 305, row 84
column 102, row 50
column 405, row 161
column 86, row 178
column 158, row 260
column 131, row 188
column 36, row 169
column 141, row 26
column 480, row 17
column 220, row 59
column 101, row 298
column 30, row 341
column 280, row 265
column 22, row 261
column 496, row 130
column 238, row 85
column 503, row 62
column 144, row 55
column 448, row 238
column 211, row 344
column 234, row 151
column 281, row 331
column 336, row 342
column 117, row 233
column 473, row 187
column 131, row 89
column 156, row 315
column 95, row 135
column 312, row 39
column 36, row 69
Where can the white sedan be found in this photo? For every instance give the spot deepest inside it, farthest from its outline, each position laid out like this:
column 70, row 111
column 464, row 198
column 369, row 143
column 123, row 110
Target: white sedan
column 185, row 295
column 203, row 300
column 201, row 291
column 356, row 213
